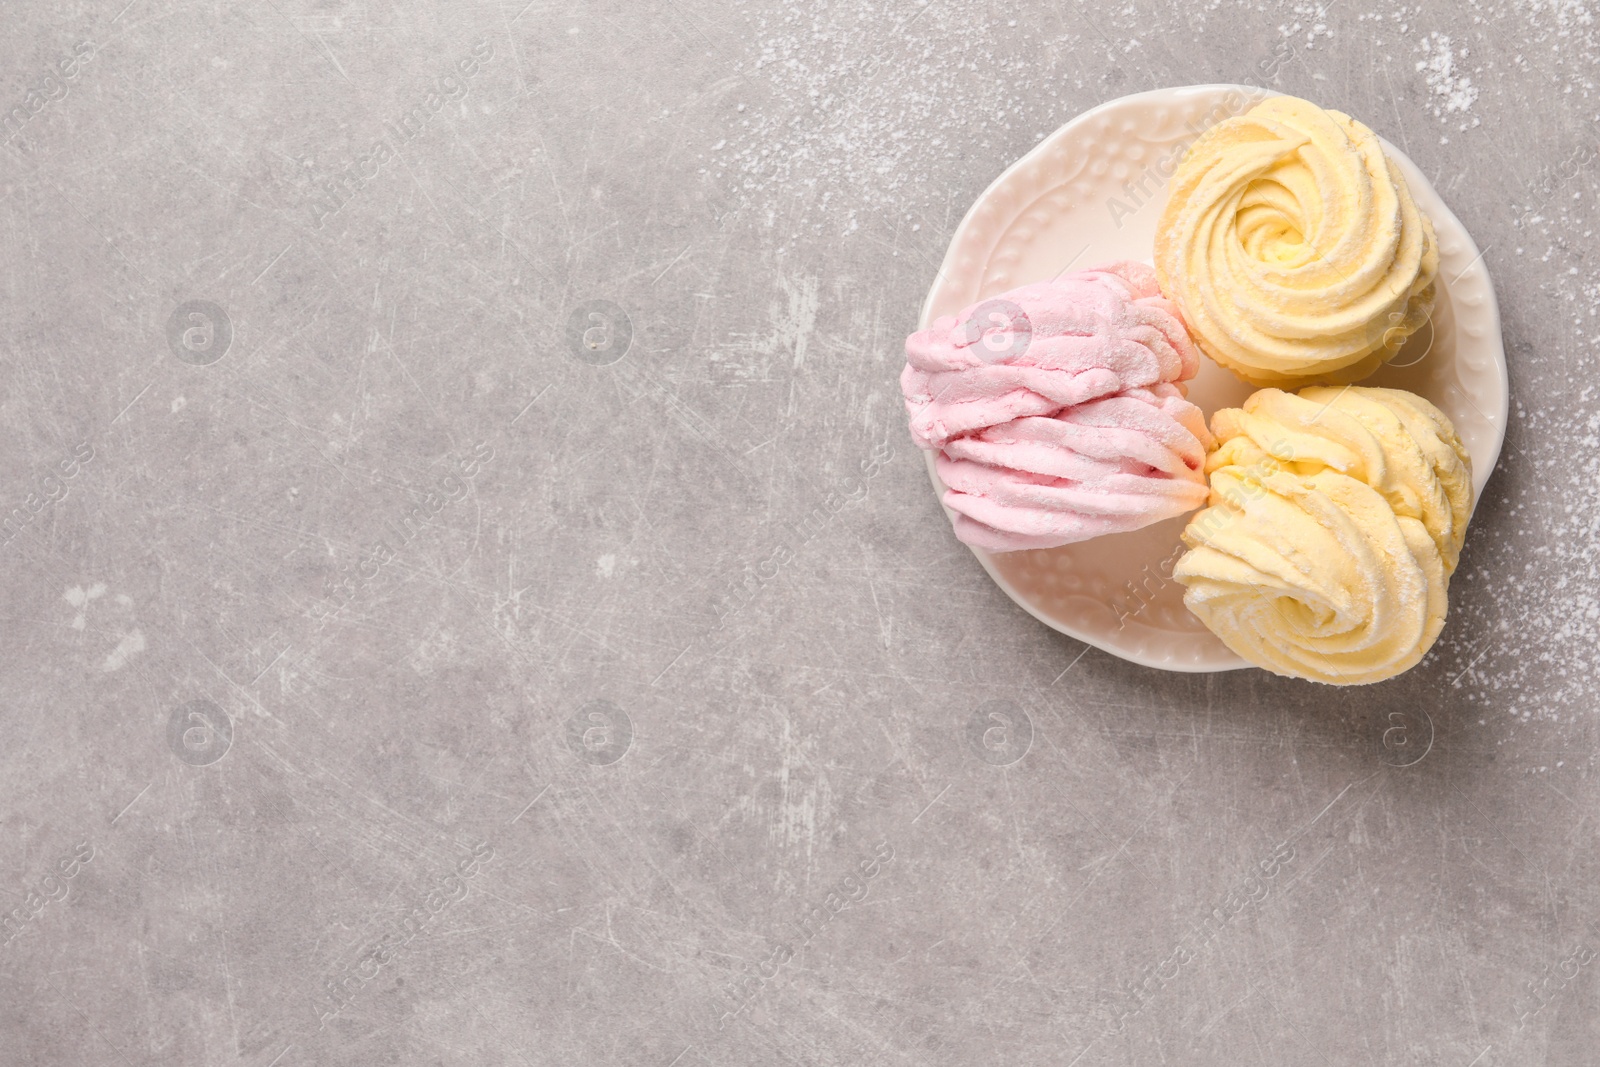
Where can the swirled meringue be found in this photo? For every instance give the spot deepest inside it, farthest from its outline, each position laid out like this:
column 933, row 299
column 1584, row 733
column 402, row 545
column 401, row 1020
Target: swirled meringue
column 1056, row 412
column 1293, row 247
column 1335, row 521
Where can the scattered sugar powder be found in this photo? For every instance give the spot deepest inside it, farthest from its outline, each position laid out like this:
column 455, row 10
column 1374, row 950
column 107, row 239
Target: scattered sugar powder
column 1453, row 92
column 1570, row 17
column 1526, row 639
column 1310, row 19
column 857, row 124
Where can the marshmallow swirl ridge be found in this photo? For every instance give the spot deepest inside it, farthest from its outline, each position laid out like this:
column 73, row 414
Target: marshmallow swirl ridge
column 1293, row 247
column 1057, row 410
column 1336, row 518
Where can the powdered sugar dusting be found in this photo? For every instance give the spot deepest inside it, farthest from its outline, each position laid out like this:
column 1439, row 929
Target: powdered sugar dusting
column 1310, row 20
column 855, row 126
column 1531, row 647
column 1453, row 91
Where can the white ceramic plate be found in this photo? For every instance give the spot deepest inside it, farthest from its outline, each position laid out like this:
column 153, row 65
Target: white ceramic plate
column 1092, row 192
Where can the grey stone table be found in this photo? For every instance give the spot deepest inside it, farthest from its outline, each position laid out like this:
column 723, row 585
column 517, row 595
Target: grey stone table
column 470, row 597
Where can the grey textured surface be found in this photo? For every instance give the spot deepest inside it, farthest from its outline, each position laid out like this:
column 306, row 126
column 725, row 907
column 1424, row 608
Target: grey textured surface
column 381, row 567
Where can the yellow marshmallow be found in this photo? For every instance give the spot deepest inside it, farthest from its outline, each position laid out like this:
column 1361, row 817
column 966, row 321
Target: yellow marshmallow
column 1293, row 248
column 1335, row 520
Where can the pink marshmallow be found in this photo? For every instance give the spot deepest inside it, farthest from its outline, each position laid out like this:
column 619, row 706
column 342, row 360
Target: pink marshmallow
column 1056, row 412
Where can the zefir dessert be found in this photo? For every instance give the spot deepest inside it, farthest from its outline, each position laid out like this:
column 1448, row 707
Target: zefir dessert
column 1293, row 247
column 1057, row 410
